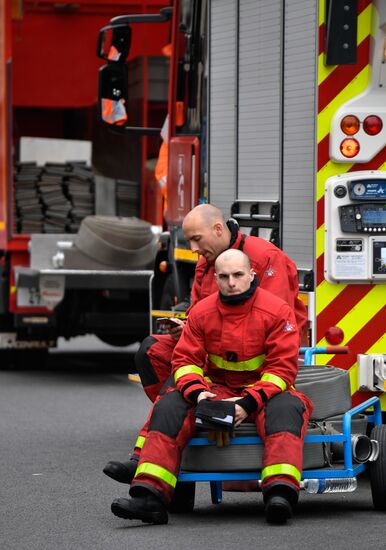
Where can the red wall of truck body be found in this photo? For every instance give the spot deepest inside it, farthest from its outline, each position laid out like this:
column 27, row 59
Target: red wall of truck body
column 48, row 60
column 5, row 63
column 54, row 50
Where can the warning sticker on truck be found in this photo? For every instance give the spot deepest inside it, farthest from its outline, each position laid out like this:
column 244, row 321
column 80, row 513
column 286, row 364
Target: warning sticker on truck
column 350, row 266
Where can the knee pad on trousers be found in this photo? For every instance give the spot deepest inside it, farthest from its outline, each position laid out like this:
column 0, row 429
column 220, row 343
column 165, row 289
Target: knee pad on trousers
column 284, row 413
column 142, row 362
column 169, row 414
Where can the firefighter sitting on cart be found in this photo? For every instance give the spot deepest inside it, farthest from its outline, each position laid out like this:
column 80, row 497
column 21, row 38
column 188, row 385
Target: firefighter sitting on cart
column 245, row 341
column 208, row 234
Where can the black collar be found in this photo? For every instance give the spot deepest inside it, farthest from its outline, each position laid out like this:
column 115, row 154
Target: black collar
column 234, row 229
column 238, row 298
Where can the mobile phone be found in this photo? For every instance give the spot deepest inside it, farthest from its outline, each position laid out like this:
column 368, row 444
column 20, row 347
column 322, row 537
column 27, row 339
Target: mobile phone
column 168, row 322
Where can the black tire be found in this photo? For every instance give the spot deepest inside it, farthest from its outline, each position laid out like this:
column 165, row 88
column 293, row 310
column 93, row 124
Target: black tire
column 378, row 469
column 183, row 498
column 120, row 340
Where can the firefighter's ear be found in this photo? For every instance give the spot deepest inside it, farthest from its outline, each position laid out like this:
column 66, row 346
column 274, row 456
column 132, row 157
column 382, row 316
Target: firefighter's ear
column 218, row 228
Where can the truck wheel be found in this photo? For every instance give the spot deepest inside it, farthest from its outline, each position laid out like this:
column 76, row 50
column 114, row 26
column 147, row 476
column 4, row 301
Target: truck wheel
column 183, row 498
column 378, row 469
column 119, row 340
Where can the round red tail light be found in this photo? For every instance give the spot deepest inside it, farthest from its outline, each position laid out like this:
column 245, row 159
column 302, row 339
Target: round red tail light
column 350, row 125
column 372, row 125
column 349, row 147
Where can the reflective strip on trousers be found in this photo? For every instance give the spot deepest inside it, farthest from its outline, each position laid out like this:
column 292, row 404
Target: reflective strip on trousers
column 188, row 369
column 252, row 364
column 274, row 380
column 140, row 441
column 156, row 471
column 281, row 469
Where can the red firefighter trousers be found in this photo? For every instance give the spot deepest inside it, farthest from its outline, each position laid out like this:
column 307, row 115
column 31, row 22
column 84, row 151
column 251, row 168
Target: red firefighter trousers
column 281, row 423
column 153, row 362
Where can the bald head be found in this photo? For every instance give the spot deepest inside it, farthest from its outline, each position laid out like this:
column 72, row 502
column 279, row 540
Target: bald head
column 233, row 272
column 205, row 215
column 206, row 231
column 233, row 257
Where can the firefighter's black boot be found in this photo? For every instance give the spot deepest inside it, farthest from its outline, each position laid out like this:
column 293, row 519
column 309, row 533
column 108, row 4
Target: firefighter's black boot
column 280, row 500
column 122, row 471
column 146, row 507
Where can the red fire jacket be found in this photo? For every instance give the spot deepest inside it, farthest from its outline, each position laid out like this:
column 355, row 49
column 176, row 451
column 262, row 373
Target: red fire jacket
column 251, row 346
column 275, row 271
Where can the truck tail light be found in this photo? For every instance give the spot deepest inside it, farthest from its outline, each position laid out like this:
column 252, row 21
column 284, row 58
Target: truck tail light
column 350, row 125
column 349, row 147
column 334, row 336
column 372, row 125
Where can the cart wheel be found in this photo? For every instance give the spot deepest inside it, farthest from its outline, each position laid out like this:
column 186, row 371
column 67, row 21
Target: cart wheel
column 378, row 469
column 183, row 498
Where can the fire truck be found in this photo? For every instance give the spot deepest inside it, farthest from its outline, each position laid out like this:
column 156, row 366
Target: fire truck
column 284, row 128
column 48, row 98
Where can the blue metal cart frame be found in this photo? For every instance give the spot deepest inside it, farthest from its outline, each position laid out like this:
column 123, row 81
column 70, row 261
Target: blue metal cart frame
column 345, row 470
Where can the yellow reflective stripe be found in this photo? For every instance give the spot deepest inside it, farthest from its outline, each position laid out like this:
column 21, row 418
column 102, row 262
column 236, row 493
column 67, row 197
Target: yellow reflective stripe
column 319, row 241
column 251, row 364
column 208, row 379
column 188, row 369
column 326, row 294
column 166, row 313
column 274, row 380
column 156, row 471
column 357, row 85
column 364, row 29
column 140, row 441
column 281, row 469
column 361, row 314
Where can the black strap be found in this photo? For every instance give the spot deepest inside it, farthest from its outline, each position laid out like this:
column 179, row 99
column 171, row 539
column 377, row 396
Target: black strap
column 241, row 245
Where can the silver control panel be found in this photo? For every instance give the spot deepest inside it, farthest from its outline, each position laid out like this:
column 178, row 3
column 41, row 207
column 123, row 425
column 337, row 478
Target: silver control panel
column 355, row 228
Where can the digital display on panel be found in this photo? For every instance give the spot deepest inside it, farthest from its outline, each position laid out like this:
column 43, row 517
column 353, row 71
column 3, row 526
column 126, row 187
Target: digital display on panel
column 379, row 258
column 374, row 217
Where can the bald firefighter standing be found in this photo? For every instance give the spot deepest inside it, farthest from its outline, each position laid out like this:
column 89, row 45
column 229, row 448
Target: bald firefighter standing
column 239, row 344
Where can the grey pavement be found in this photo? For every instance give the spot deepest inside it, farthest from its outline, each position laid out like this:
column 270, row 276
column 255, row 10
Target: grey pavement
column 61, row 423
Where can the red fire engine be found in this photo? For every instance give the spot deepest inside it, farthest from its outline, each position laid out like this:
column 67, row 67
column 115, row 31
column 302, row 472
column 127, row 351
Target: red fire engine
column 49, row 139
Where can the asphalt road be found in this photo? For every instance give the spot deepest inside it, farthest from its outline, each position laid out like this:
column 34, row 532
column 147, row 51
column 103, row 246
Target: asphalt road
column 60, row 423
